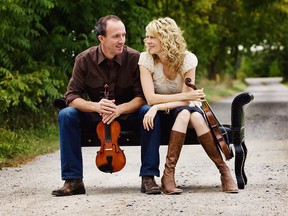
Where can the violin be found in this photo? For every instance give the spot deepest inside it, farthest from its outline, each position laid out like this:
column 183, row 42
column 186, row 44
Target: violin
column 214, row 125
column 110, row 158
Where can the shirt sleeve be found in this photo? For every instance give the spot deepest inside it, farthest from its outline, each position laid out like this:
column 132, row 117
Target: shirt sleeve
column 76, row 85
column 190, row 62
column 146, row 60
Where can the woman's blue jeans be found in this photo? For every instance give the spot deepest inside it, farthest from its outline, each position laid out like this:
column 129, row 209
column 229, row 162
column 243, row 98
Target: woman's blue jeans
column 150, row 142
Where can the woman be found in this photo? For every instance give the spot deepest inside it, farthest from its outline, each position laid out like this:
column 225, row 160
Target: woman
column 163, row 67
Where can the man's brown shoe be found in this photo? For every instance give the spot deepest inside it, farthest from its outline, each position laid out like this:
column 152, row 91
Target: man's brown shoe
column 149, row 186
column 71, row 187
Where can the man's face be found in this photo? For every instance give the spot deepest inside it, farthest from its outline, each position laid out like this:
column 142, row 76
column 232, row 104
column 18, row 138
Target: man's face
column 113, row 42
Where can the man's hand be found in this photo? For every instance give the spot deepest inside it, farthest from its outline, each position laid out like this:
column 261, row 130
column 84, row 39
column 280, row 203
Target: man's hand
column 107, row 118
column 106, row 107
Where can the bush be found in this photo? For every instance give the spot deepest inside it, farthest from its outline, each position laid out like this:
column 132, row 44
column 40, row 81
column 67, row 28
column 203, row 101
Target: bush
column 20, row 146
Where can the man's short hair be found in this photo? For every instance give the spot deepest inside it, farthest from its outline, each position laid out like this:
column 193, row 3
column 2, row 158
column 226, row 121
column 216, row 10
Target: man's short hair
column 101, row 24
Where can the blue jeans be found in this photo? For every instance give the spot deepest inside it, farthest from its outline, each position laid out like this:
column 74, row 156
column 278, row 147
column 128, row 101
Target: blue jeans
column 151, row 140
column 70, row 120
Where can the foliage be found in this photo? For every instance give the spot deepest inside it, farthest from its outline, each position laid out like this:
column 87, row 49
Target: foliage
column 27, row 80
column 40, row 41
column 20, row 146
column 41, row 38
column 215, row 30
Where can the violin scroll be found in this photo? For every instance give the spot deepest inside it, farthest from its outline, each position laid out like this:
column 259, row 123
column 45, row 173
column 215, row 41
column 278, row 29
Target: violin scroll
column 189, row 84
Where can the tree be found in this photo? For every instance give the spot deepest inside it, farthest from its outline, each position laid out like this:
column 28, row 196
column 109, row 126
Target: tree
column 271, row 32
column 215, row 31
column 40, row 39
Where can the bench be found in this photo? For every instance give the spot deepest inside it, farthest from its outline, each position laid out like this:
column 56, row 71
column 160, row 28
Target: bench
column 235, row 134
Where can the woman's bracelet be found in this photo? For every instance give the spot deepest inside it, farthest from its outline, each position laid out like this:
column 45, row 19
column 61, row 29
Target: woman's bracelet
column 167, row 110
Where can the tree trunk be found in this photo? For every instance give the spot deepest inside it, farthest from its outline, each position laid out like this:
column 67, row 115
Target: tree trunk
column 212, row 69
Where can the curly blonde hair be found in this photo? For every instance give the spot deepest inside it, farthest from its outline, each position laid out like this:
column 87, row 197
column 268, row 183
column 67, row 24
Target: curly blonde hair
column 171, row 39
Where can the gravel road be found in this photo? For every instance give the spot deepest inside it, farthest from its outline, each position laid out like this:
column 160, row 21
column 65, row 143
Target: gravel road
column 26, row 190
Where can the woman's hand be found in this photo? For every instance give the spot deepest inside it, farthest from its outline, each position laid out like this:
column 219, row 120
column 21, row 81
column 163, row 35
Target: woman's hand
column 196, row 95
column 148, row 120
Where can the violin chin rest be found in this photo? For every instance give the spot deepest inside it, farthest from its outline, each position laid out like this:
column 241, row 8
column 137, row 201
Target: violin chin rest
column 107, row 168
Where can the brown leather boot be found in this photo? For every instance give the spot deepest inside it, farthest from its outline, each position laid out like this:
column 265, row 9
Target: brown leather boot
column 71, row 187
column 149, row 185
column 174, row 148
column 210, row 146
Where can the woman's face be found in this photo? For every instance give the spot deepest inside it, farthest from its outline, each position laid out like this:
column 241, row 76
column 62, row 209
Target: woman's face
column 153, row 44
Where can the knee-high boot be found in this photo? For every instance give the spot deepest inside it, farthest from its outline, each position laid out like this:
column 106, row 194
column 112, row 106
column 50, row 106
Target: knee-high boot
column 174, row 148
column 210, row 146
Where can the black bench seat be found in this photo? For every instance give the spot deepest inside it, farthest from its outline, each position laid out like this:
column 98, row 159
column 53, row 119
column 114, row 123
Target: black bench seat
column 235, row 134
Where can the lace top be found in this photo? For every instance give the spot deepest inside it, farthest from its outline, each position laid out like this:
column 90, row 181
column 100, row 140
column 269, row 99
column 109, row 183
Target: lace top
column 162, row 84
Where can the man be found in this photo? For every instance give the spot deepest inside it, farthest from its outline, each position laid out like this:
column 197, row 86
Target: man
column 110, row 63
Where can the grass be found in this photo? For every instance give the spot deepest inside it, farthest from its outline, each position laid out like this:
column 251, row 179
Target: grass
column 21, row 146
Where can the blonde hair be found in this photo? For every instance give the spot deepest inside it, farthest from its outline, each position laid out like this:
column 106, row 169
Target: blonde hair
column 171, row 39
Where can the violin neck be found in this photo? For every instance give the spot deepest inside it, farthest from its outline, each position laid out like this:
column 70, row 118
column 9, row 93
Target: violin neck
column 208, row 108
column 206, row 105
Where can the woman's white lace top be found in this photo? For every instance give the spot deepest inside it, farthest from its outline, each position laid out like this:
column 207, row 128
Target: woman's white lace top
column 162, row 84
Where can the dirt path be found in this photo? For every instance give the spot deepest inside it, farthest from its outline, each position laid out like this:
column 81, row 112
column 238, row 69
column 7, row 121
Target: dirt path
column 26, row 190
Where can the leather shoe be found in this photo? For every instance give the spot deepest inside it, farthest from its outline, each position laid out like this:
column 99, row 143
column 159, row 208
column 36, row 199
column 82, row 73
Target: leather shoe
column 149, row 186
column 71, row 187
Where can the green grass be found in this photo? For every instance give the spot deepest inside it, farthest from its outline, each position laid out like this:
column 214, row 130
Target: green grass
column 21, row 146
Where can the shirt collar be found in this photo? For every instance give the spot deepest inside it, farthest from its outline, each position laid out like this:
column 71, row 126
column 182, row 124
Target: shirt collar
column 102, row 58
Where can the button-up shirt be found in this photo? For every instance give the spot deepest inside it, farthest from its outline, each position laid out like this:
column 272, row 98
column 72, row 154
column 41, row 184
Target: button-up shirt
column 92, row 71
